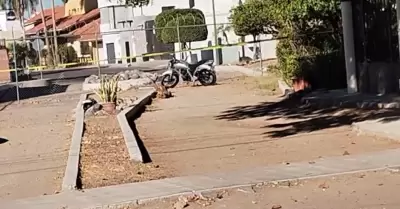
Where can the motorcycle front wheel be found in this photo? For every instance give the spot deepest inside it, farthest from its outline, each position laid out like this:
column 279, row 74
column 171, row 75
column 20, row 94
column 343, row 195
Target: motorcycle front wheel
column 207, row 77
column 170, row 81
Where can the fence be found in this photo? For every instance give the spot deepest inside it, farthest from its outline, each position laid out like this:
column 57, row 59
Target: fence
column 128, row 46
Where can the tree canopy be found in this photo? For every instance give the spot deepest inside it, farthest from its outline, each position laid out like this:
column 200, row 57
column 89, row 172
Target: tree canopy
column 191, row 26
column 252, row 18
column 309, row 32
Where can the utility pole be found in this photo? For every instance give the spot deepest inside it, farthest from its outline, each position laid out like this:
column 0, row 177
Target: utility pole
column 216, row 57
column 54, row 34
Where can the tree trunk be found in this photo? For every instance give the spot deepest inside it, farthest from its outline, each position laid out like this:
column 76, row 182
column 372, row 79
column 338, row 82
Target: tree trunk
column 46, row 37
column 21, row 22
column 56, row 60
column 243, row 49
column 255, row 55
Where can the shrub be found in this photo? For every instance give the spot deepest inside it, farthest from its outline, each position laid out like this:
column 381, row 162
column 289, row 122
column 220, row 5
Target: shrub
column 169, row 18
column 67, row 54
column 186, row 34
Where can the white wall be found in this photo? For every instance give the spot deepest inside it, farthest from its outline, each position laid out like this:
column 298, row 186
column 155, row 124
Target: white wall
column 222, row 8
column 7, row 26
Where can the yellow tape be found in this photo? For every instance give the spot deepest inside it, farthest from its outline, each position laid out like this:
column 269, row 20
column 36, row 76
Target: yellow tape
column 41, row 68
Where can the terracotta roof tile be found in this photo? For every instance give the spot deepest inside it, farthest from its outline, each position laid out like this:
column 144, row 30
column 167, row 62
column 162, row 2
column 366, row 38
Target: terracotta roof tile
column 59, row 11
column 64, row 23
column 88, row 31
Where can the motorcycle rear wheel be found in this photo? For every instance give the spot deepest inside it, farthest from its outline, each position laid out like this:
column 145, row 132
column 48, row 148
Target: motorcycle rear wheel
column 207, row 77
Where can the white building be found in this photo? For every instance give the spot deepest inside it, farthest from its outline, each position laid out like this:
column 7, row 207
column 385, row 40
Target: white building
column 124, row 36
column 9, row 23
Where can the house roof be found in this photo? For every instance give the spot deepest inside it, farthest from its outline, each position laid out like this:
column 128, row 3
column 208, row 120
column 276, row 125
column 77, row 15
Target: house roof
column 59, row 10
column 64, row 22
column 88, row 32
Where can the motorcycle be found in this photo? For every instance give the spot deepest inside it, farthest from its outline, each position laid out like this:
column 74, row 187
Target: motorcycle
column 202, row 71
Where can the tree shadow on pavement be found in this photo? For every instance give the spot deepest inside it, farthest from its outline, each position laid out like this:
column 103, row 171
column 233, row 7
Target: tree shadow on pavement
column 305, row 118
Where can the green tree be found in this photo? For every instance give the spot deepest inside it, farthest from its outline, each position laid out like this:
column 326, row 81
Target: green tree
column 253, row 18
column 191, row 26
column 67, row 54
column 23, row 52
column 187, row 33
column 311, row 40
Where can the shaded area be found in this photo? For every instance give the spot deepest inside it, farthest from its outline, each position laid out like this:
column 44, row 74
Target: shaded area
column 31, row 92
column 3, row 140
column 308, row 117
column 139, row 141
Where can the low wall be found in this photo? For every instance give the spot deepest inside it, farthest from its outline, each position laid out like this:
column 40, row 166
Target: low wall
column 134, row 144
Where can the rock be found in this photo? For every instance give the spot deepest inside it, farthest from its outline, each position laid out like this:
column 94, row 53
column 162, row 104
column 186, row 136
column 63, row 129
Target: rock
column 124, row 103
column 122, row 76
column 93, row 110
column 92, row 79
column 181, row 203
column 134, row 74
column 276, row 207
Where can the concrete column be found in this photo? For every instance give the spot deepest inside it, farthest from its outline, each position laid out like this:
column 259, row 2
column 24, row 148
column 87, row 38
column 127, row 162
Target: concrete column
column 349, row 52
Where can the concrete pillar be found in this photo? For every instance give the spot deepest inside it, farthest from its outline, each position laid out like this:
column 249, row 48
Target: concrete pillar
column 349, row 52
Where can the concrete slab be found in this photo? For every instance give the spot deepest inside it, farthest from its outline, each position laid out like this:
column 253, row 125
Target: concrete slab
column 145, row 191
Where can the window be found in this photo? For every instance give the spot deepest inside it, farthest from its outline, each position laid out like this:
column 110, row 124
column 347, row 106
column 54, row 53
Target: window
column 191, row 3
column 167, row 8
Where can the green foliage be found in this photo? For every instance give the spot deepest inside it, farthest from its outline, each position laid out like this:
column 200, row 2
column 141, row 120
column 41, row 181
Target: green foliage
column 253, row 18
column 108, row 89
column 310, row 36
column 23, row 52
column 185, row 18
column 186, row 34
column 18, row 6
column 67, row 54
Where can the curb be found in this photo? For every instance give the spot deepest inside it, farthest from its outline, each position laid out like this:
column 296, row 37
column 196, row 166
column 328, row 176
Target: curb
column 130, row 114
column 71, row 171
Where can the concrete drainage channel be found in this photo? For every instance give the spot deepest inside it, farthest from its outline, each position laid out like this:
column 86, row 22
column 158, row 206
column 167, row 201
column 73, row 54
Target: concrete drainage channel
column 135, row 147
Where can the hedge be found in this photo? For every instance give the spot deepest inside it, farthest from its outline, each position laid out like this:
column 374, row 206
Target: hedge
column 186, row 17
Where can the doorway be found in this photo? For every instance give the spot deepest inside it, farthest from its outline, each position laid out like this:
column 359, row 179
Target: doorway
column 110, row 53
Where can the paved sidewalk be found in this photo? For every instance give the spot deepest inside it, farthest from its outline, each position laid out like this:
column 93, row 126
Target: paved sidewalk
column 382, row 127
column 140, row 192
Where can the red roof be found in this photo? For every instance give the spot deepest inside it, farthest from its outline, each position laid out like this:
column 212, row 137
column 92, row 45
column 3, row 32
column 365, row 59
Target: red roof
column 88, row 32
column 47, row 14
column 62, row 22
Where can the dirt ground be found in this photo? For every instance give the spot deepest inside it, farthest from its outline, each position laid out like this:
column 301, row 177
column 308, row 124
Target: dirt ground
column 105, row 160
column 35, row 137
column 235, row 125
column 372, row 190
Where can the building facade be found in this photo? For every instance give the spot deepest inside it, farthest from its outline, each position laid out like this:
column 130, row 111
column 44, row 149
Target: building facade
column 9, row 23
column 128, row 31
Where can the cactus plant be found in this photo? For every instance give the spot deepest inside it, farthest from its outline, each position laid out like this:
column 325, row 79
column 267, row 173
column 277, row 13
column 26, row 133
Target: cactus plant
column 108, row 89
